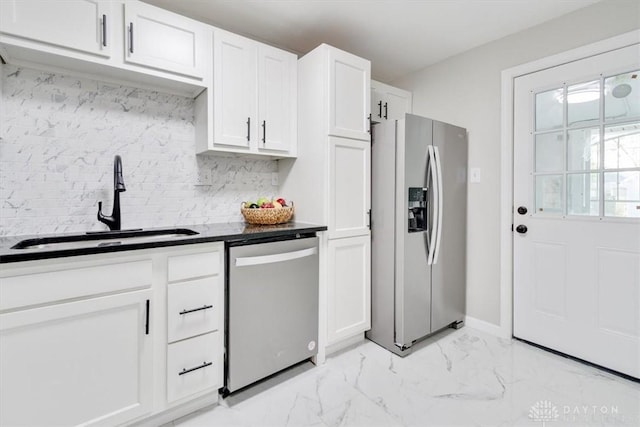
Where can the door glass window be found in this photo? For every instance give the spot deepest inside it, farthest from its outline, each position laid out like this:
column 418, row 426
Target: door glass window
column 583, row 196
column 622, row 96
column 622, row 146
column 583, row 149
column 622, row 194
column 549, row 109
column 549, row 194
column 583, row 103
column 587, row 148
column 549, row 152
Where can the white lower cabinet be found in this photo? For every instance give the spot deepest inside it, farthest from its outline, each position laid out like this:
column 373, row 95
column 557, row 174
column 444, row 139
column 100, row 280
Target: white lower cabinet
column 111, row 339
column 348, row 287
column 82, row 362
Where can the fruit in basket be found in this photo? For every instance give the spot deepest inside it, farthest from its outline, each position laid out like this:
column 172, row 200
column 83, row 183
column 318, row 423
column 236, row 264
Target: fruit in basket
column 262, row 200
column 267, row 205
column 276, row 204
column 282, row 201
column 253, row 206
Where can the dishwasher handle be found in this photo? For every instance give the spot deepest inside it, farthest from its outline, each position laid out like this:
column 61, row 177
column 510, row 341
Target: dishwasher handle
column 270, row 259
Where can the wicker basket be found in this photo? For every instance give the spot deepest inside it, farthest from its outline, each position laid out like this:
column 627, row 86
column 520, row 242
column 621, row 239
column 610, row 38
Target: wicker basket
column 267, row 216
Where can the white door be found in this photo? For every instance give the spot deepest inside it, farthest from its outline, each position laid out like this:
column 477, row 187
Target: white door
column 86, row 361
column 277, row 70
column 83, row 25
column 349, row 187
column 349, row 94
column 163, row 40
column 577, row 175
column 235, row 100
column 348, row 287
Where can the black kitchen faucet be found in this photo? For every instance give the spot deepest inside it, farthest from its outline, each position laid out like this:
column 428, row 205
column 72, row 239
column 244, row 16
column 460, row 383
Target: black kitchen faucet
column 114, row 221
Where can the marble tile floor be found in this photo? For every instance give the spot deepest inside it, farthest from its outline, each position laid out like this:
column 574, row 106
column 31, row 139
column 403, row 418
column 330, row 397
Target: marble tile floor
column 459, row 378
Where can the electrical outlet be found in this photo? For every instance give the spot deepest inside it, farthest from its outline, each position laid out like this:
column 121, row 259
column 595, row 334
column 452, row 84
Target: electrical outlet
column 474, row 175
column 274, row 178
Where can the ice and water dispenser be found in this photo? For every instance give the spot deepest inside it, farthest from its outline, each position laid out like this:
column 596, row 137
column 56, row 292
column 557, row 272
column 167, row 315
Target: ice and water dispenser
column 417, row 212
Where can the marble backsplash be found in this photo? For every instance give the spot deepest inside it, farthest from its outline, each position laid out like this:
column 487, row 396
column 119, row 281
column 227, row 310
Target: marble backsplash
column 58, row 137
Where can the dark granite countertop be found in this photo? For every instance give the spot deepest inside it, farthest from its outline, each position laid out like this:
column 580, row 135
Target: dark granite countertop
column 227, row 232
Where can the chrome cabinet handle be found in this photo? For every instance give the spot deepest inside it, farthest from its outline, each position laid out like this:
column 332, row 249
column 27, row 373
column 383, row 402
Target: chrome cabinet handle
column 264, row 131
column 186, row 371
column 380, row 109
column 248, row 128
column 385, row 110
column 204, row 307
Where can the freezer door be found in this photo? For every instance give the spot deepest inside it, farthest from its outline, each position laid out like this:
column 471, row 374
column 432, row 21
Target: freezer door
column 413, row 287
column 448, row 274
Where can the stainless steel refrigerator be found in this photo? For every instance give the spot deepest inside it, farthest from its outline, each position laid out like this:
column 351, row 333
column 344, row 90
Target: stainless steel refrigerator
column 418, row 230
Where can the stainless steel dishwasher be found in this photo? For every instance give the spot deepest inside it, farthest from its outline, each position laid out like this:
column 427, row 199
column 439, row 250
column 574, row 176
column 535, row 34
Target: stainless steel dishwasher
column 272, row 307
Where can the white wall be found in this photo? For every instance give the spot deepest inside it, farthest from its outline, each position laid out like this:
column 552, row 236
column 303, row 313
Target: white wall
column 465, row 90
column 59, row 134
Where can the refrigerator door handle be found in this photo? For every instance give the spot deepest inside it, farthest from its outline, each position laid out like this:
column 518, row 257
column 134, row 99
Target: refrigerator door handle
column 431, row 235
column 438, row 195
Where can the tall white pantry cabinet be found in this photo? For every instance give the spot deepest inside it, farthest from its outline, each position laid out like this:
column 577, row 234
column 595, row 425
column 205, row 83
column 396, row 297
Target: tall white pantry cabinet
column 330, row 183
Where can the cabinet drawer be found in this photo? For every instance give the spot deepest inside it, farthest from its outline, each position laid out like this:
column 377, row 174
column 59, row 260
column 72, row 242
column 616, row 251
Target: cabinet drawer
column 69, row 282
column 192, row 366
column 194, row 265
column 192, row 308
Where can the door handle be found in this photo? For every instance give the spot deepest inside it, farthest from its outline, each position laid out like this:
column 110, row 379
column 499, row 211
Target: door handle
column 264, row 131
column 522, row 210
column 380, row 109
column 269, row 259
column 204, row 307
column 385, row 110
column 248, row 128
column 522, row 229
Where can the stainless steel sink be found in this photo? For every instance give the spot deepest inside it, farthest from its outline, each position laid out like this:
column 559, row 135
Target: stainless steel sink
column 103, row 239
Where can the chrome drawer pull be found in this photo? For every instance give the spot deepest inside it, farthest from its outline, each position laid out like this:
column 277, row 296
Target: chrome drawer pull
column 186, row 371
column 204, row 307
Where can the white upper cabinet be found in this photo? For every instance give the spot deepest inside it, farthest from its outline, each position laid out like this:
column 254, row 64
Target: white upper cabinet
column 252, row 100
column 349, row 95
column 388, row 102
column 82, row 25
column 276, row 99
column 160, row 39
column 234, row 90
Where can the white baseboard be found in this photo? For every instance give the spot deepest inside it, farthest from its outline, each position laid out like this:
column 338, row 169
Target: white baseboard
column 487, row 327
column 346, row 343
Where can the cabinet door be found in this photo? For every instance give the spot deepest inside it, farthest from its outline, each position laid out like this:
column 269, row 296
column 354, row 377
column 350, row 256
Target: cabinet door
column 277, row 111
column 349, row 94
column 396, row 103
column 83, row 25
column 349, row 187
column 87, row 361
column 163, row 40
column 377, row 103
column 234, row 82
column 388, row 102
column 348, row 287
